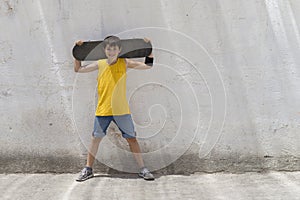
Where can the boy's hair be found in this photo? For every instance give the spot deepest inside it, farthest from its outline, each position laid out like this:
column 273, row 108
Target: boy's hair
column 112, row 41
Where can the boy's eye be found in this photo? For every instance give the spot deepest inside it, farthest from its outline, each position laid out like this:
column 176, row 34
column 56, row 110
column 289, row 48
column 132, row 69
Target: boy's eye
column 112, row 49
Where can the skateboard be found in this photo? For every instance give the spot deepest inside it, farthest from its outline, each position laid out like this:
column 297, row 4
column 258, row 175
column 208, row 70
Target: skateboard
column 94, row 50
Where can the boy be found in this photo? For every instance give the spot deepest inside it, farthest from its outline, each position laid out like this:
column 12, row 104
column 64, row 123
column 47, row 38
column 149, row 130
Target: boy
column 112, row 103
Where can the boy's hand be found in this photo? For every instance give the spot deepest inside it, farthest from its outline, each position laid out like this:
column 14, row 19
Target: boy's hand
column 77, row 62
column 147, row 39
column 79, row 42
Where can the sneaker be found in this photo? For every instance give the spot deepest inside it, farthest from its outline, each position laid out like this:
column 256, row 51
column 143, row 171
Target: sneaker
column 85, row 174
column 146, row 174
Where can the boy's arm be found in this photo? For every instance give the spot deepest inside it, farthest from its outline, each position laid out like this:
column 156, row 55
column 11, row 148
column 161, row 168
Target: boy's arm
column 86, row 68
column 137, row 64
column 140, row 65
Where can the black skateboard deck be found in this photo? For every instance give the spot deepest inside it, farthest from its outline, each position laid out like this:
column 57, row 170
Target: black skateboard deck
column 94, row 50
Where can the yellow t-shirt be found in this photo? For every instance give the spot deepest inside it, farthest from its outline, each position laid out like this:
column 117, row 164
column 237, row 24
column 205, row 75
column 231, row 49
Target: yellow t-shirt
column 112, row 88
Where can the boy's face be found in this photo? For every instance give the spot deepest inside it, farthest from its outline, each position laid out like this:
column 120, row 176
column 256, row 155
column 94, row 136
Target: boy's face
column 112, row 52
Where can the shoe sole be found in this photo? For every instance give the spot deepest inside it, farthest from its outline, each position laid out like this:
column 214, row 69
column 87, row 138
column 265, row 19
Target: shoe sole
column 88, row 177
column 147, row 179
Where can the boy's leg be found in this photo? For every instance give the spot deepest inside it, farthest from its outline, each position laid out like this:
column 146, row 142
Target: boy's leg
column 93, row 149
column 100, row 126
column 135, row 149
column 126, row 126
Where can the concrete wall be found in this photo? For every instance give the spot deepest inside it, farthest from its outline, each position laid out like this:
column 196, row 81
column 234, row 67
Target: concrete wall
column 223, row 94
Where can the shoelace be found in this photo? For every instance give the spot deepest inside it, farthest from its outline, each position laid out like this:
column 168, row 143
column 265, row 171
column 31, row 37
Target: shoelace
column 84, row 171
column 145, row 171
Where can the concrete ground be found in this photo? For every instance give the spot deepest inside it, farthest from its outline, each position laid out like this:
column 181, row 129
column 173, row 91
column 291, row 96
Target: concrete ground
column 271, row 185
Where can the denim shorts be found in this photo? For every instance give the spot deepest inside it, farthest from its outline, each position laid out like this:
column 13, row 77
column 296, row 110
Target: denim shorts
column 124, row 123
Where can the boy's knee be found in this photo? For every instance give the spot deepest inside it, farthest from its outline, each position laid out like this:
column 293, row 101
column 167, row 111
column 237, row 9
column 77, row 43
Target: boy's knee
column 131, row 140
column 96, row 139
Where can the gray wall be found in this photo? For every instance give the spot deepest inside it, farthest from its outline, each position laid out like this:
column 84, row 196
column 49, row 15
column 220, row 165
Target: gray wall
column 223, row 94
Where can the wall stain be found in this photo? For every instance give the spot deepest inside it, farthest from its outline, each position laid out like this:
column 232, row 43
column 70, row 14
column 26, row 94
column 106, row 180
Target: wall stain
column 6, row 52
column 8, row 7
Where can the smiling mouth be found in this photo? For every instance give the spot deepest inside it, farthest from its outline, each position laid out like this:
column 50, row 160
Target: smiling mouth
column 112, row 57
